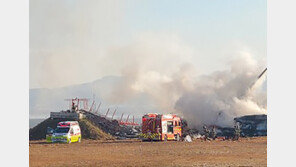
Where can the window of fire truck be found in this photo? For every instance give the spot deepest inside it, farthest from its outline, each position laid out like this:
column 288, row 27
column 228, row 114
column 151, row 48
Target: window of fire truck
column 170, row 126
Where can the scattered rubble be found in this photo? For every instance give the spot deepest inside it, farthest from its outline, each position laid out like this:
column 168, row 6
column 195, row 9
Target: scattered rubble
column 226, row 132
column 250, row 126
column 188, row 139
column 197, row 136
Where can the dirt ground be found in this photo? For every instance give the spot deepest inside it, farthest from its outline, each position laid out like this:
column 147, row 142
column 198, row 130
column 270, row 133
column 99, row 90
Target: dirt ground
column 246, row 152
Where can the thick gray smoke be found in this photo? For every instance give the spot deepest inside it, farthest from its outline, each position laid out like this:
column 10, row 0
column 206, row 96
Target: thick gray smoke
column 164, row 69
column 221, row 96
column 73, row 42
column 213, row 99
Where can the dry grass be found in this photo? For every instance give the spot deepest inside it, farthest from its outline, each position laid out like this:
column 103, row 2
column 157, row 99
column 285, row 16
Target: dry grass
column 246, row 152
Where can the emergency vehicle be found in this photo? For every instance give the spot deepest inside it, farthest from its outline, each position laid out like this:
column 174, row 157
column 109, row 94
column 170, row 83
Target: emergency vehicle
column 161, row 127
column 67, row 132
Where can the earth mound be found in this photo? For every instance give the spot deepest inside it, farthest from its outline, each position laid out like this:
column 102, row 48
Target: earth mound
column 88, row 130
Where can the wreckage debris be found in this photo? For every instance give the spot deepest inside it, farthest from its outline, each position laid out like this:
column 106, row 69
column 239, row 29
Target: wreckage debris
column 248, row 126
column 187, row 139
column 252, row 125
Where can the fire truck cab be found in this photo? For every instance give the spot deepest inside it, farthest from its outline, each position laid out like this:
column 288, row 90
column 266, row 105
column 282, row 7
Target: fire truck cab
column 161, row 127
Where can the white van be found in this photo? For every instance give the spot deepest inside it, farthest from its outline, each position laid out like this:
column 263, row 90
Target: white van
column 68, row 132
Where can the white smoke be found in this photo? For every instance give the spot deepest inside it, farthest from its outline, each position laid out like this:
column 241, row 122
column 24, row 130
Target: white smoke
column 73, row 42
column 158, row 68
column 223, row 95
column 155, row 65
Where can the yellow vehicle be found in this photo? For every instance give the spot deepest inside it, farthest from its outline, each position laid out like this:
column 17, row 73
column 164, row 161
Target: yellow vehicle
column 66, row 132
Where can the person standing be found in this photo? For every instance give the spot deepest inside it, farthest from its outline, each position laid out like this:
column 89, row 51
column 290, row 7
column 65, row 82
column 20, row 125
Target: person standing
column 207, row 133
column 213, row 133
column 236, row 132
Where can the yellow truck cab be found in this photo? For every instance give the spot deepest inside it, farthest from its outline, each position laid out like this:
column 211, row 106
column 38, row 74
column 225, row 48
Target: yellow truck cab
column 67, row 132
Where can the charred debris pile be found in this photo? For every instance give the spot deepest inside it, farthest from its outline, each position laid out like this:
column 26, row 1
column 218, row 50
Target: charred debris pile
column 250, row 126
column 253, row 125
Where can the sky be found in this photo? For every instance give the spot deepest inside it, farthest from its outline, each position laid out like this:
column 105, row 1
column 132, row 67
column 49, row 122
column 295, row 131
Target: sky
column 78, row 41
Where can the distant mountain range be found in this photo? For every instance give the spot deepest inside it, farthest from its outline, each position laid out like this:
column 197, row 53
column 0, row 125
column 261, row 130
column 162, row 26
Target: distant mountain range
column 43, row 101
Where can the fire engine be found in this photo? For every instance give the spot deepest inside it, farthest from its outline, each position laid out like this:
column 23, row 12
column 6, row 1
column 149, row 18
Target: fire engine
column 161, row 127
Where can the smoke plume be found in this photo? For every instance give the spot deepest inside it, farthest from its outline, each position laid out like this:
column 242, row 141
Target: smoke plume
column 213, row 99
column 163, row 68
column 219, row 97
column 73, row 42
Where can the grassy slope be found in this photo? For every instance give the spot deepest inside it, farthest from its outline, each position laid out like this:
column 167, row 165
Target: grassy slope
column 90, row 131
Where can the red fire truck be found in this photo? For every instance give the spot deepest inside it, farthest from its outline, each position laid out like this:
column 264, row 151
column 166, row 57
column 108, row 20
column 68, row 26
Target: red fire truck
column 161, row 127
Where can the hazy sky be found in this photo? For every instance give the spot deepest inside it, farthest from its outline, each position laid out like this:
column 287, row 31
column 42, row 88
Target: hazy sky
column 77, row 41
